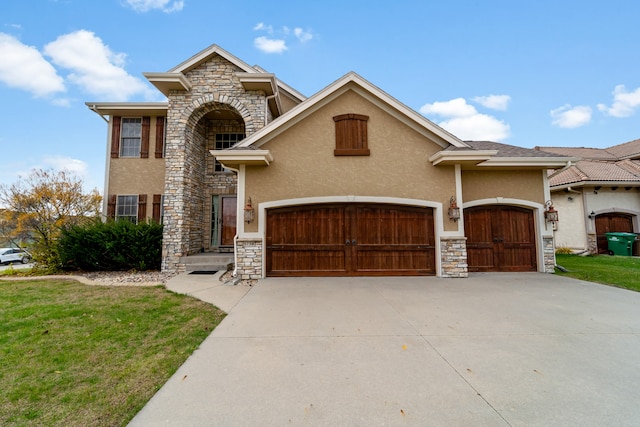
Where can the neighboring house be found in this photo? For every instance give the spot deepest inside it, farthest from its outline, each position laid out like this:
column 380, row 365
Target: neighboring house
column 596, row 195
column 346, row 182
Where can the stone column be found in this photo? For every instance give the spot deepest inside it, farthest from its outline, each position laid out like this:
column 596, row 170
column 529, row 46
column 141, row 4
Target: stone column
column 453, row 252
column 249, row 258
column 549, row 254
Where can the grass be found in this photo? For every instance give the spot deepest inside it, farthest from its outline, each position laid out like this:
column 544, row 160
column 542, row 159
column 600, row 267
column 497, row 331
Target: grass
column 78, row 355
column 617, row 271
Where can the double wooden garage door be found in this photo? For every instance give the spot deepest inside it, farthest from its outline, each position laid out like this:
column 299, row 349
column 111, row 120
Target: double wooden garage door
column 350, row 240
column 500, row 238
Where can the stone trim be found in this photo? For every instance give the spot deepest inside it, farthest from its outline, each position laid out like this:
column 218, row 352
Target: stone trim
column 549, row 253
column 453, row 257
column 592, row 243
column 249, row 259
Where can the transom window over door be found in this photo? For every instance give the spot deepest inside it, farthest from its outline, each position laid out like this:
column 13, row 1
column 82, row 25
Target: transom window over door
column 131, row 137
column 224, row 141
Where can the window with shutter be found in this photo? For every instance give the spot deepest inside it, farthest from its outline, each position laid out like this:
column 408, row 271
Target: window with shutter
column 159, row 137
column 351, row 135
column 115, row 136
column 127, row 208
column 142, row 207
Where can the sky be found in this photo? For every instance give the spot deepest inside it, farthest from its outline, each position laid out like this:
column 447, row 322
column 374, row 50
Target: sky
column 542, row 73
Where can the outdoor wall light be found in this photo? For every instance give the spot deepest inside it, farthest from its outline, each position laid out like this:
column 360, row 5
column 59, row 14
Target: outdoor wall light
column 551, row 215
column 591, row 215
column 249, row 212
column 454, row 210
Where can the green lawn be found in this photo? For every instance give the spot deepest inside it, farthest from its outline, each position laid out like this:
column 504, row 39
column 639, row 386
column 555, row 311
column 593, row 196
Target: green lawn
column 620, row 271
column 78, row 355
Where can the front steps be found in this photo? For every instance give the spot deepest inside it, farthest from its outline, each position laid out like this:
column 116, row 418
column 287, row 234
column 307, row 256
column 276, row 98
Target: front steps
column 207, row 261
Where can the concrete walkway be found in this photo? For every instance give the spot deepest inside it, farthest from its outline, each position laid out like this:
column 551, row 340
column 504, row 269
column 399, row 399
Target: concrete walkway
column 492, row 350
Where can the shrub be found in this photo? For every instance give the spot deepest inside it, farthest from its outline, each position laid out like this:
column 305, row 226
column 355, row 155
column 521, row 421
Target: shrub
column 564, row 250
column 112, row 245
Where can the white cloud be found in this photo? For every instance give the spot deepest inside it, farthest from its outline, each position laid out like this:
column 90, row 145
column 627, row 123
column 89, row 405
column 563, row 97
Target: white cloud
column 303, row 36
column 166, row 6
column 571, row 117
column 457, row 107
column 24, row 67
column 624, row 102
column 495, row 102
column 78, row 167
column 465, row 122
column 94, row 67
column 268, row 45
column 260, row 26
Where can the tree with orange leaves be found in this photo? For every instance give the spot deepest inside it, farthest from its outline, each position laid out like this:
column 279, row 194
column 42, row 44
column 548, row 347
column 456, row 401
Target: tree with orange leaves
column 42, row 204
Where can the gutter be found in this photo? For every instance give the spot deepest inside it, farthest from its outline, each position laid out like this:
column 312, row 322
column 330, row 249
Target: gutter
column 95, row 110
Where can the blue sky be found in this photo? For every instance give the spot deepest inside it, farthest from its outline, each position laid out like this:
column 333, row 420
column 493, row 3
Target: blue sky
column 559, row 73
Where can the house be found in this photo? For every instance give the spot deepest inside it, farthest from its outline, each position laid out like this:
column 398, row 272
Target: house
column 596, row 195
column 349, row 181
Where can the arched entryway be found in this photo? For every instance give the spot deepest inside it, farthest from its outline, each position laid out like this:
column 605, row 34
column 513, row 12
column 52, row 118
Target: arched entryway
column 500, row 238
column 612, row 222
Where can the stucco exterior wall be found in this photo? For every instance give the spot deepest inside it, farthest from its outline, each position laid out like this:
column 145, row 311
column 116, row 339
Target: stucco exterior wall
column 305, row 166
column 608, row 200
column 487, row 184
column 571, row 228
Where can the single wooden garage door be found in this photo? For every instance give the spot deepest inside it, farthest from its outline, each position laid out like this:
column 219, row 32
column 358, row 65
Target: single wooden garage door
column 500, row 238
column 611, row 223
column 350, row 240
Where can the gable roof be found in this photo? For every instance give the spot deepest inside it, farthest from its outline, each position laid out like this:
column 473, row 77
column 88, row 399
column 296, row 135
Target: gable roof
column 354, row 82
column 175, row 79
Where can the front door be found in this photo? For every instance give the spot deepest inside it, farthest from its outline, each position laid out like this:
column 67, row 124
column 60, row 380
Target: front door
column 500, row 238
column 223, row 220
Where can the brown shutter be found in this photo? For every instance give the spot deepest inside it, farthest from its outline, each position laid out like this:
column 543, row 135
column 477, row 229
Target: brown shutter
column 157, row 200
column 351, row 135
column 142, row 207
column 159, row 137
column 111, row 207
column 115, row 137
column 144, row 145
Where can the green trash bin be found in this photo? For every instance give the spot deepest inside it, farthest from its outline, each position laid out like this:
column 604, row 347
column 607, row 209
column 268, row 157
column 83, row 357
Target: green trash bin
column 620, row 243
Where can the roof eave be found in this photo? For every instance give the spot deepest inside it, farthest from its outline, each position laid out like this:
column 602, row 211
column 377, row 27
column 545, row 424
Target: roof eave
column 234, row 157
column 166, row 82
column 447, row 158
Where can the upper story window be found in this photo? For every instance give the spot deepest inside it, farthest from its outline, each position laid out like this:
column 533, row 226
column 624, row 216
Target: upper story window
column 351, row 135
column 224, row 141
column 131, row 137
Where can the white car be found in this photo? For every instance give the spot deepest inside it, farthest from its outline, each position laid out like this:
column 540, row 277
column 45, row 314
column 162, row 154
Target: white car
column 13, row 255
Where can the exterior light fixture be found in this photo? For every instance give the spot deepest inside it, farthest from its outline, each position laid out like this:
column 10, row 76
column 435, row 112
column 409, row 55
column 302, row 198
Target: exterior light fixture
column 454, row 210
column 249, row 212
column 551, row 215
column 591, row 215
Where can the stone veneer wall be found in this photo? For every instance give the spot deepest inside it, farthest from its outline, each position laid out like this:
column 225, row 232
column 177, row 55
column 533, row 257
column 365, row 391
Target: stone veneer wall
column 549, row 255
column 249, row 256
column 453, row 252
column 592, row 243
column 214, row 87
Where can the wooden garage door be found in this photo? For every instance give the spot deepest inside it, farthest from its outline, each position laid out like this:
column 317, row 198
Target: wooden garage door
column 611, row 223
column 350, row 240
column 500, row 238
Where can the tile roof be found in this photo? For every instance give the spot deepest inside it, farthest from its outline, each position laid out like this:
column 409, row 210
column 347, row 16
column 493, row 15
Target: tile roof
column 593, row 170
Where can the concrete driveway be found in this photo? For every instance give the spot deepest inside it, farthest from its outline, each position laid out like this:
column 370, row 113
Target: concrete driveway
column 491, row 350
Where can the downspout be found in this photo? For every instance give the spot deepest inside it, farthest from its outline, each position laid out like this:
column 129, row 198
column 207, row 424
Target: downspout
column 266, row 107
column 235, row 238
column 564, row 168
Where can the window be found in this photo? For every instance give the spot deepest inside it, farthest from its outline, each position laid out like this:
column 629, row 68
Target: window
column 127, row 208
column 131, row 137
column 351, row 135
column 224, row 141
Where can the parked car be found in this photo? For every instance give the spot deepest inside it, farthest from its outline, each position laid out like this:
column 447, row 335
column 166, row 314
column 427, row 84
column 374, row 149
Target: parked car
column 12, row 255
